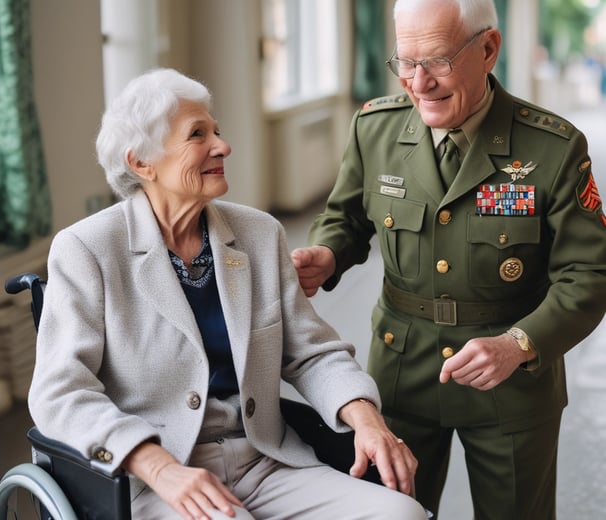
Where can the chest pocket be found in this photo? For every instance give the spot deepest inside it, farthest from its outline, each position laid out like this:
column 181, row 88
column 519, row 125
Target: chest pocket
column 498, row 242
column 398, row 223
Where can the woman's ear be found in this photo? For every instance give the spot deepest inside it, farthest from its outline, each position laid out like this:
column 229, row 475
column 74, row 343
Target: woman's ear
column 141, row 168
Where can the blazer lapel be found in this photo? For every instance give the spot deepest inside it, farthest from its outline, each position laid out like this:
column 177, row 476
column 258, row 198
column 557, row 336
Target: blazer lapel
column 155, row 276
column 234, row 281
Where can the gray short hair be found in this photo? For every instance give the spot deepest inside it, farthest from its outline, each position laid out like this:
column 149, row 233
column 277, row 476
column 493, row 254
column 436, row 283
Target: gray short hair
column 475, row 14
column 138, row 121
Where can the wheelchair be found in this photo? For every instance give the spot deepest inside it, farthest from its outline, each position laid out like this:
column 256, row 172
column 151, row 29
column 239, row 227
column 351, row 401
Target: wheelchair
column 68, row 486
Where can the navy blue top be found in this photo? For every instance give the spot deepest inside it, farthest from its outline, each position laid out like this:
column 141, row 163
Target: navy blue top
column 200, row 287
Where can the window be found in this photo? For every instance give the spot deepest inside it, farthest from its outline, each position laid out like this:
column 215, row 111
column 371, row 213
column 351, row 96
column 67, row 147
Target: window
column 299, row 51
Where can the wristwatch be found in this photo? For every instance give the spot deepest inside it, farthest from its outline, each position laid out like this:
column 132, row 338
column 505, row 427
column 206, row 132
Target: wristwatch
column 523, row 340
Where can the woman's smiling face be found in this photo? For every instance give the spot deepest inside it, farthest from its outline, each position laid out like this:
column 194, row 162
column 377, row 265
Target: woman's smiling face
column 192, row 164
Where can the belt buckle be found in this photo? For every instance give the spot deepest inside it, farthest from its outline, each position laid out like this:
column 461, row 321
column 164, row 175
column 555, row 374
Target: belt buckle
column 445, row 311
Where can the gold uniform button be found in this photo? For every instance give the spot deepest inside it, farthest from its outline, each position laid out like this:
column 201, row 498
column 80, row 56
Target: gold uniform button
column 524, row 112
column 388, row 338
column 388, row 221
column 447, row 352
column 442, row 266
column 445, row 216
column 503, row 239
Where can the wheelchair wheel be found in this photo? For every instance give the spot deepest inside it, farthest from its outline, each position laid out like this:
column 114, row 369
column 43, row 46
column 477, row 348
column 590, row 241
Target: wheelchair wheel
column 41, row 485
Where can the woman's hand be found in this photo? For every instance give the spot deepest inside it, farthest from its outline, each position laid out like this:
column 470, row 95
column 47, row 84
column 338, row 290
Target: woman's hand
column 192, row 492
column 375, row 443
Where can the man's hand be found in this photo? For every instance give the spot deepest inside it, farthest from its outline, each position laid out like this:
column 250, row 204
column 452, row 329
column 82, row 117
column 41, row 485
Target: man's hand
column 314, row 266
column 192, row 492
column 483, row 363
column 375, row 443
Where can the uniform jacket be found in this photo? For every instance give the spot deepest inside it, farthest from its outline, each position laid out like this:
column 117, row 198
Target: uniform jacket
column 389, row 185
column 120, row 358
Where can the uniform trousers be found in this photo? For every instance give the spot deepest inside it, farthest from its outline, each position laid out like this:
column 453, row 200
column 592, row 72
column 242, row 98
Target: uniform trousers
column 271, row 490
column 511, row 475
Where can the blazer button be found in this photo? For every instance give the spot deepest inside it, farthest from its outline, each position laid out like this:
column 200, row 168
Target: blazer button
column 102, row 455
column 193, row 400
column 250, row 407
column 388, row 338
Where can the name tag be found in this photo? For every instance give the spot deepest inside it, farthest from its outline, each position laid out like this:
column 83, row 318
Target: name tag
column 393, row 192
column 390, row 179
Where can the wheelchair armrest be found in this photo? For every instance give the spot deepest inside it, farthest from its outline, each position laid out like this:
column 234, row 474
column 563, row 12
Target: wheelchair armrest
column 93, row 493
column 42, row 445
column 332, row 448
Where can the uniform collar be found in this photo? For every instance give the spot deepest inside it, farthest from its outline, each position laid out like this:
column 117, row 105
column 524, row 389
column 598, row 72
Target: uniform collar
column 471, row 125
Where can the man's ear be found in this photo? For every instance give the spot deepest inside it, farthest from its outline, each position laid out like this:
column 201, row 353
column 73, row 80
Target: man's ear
column 492, row 43
column 141, row 168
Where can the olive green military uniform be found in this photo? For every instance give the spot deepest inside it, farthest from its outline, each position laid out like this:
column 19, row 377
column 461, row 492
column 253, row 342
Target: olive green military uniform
column 518, row 240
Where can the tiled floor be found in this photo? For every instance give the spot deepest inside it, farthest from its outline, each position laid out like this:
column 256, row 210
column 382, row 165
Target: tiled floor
column 582, row 457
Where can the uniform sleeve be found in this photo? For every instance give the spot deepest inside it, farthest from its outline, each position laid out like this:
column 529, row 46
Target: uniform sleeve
column 343, row 226
column 575, row 301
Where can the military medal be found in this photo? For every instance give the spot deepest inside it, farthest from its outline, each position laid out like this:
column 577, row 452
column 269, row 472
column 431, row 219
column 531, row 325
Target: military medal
column 517, row 171
column 505, row 199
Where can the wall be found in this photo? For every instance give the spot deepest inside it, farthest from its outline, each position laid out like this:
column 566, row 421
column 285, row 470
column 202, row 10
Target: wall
column 68, row 78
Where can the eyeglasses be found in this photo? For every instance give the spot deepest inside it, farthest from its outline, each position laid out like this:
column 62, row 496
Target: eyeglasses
column 437, row 66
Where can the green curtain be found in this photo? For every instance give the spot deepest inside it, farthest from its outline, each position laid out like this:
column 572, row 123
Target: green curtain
column 25, row 209
column 369, row 49
column 500, row 69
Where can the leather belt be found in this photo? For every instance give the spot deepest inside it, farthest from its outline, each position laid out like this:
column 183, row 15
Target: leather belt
column 446, row 311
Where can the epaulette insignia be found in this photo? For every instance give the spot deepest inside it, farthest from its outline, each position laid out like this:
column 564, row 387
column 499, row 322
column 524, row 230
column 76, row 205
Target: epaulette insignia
column 543, row 120
column 385, row 103
column 587, row 193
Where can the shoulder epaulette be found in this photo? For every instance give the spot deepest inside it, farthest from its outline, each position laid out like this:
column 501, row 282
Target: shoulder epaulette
column 386, row 103
column 538, row 118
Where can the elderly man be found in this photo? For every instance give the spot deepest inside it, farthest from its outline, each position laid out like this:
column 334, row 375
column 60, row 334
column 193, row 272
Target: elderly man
column 494, row 245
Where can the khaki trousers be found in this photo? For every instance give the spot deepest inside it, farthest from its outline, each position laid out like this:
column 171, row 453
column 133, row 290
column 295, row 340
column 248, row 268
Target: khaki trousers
column 269, row 489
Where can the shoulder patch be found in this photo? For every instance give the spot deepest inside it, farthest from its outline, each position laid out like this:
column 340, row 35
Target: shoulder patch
column 543, row 120
column 588, row 196
column 385, row 103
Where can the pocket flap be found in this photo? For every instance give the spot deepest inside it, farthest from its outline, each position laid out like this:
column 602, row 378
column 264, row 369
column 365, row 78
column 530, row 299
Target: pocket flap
column 503, row 232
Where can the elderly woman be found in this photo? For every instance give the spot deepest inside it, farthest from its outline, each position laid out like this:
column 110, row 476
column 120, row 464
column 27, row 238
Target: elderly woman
column 169, row 320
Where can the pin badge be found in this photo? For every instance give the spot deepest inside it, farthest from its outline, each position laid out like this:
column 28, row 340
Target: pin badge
column 517, row 171
column 511, row 269
column 230, row 262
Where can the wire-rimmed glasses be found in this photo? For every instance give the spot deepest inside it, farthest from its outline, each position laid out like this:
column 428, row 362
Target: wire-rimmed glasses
column 437, row 66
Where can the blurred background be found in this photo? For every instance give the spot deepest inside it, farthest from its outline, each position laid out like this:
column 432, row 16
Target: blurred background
column 286, row 76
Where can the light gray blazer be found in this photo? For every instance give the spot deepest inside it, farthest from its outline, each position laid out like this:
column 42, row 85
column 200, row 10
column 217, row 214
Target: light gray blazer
column 119, row 353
